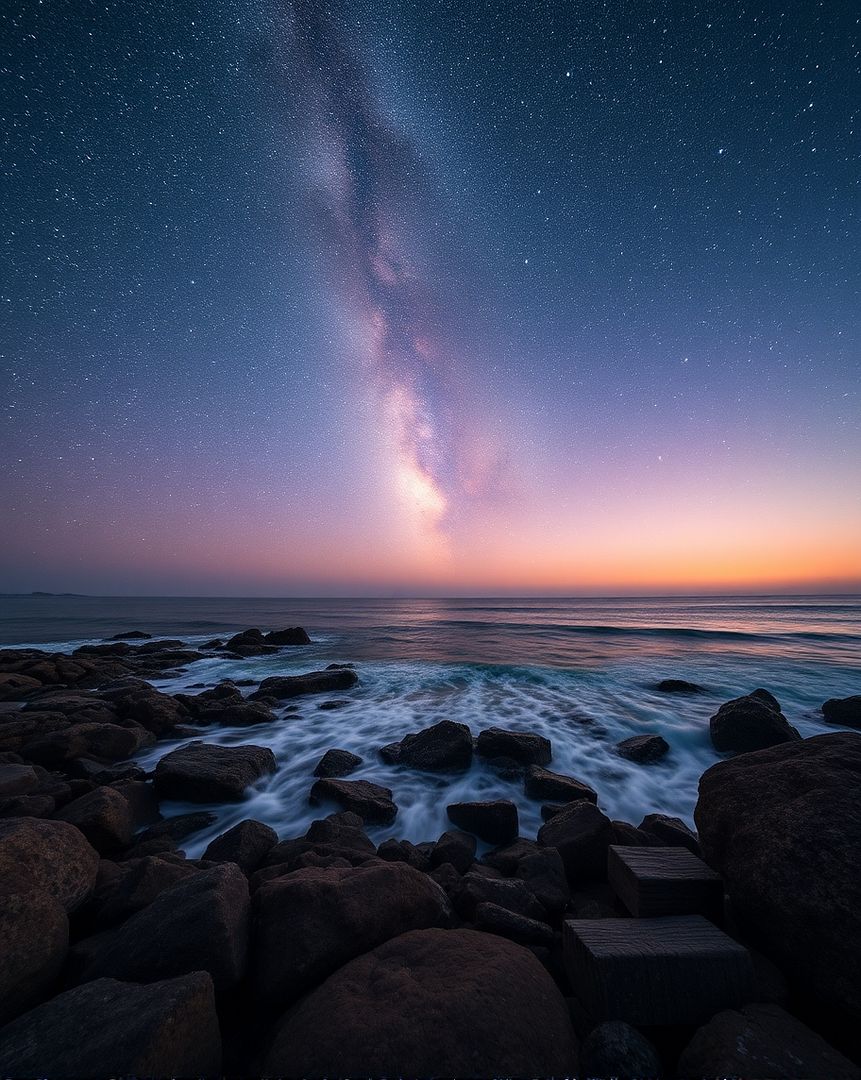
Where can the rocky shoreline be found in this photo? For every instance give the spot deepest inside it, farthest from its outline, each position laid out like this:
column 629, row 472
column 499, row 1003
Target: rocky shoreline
column 325, row 954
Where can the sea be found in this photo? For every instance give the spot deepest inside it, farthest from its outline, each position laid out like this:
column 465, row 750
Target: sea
column 581, row 672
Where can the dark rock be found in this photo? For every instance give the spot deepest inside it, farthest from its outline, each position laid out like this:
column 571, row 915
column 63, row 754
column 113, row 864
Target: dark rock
column 445, row 746
column 103, row 816
column 617, row 1049
column 247, row 844
column 110, row 1028
column 49, row 855
column 371, row 802
column 34, row 937
column 391, row 753
column 315, row 682
column 495, row 1012
column 581, row 834
column 338, row 836
column 543, row 873
column 405, row 851
column 543, row 784
column 137, row 884
column 180, row 826
column 643, row 749
column 331, row 706
column 204, row 772
column 521, row 746
column 627, row 835
column 199, row 924
column 311, row 922
column 679, row 686
column 509, row 893
column 38, row 806
column 495, row 821
column 249, row 643
column 507, row 858
column 132, row 635
column 762, row 1040
column 104, row 742
column 143, row 804
column 507, row 768
column 750, row 723
column 456, row 848
column 157, row 712
column 18, row 779
column 783, row 828
column 494, row 919
column 293, row 635
column 16, row 687
column 550, row 810
column 845, row 712
column 669, row 832
column 215, row 643
column 337, row 763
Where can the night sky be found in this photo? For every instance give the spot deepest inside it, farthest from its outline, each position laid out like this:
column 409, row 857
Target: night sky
column 430, row 297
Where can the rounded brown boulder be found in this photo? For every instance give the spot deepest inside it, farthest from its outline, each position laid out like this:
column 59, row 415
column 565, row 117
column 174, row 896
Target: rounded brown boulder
column 431, row 1003
column 52, row 856
column 34, row 937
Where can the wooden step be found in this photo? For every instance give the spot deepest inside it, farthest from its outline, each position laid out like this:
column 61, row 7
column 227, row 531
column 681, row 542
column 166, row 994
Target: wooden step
column 653, row 881
column 674, row 970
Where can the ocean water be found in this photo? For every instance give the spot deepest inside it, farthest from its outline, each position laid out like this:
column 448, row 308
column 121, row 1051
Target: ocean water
column 579, row 671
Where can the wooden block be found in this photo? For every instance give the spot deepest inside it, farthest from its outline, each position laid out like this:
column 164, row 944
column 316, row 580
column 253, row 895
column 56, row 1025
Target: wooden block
column 653, row 881
column 674, row 970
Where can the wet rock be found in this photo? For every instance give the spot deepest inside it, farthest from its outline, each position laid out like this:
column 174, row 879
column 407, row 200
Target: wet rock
column 204, row 772
column 110, row 1028
column 157, row 712
column 762, row 1040
column 52, row 856
column 845, row 712
column 247, row 844
column 752, row 722
column 143, row 804
column 617, row 1049
column 339, row 836
column 292, row 635
column 445, row 747
column 390, row 753
column 522, row 746
column 507, row 768
column 104, row 816
column 315, row 682
column 495, row 1010
column 679, row 686
column 331, row 706
column 495, row 821
column 416, row 855
column 311, row 922
column 643, row 749
column 666, row 831
column 132, row 635
column 493, row 919
column 456, row 848
column 550, row 810
column 199, row 924
column 783, row 828
column 249, row 643
column 543, row 784
column 371, row 802
column 336, row 763
column 34, row 937
column 581, row 834
column 179, row 827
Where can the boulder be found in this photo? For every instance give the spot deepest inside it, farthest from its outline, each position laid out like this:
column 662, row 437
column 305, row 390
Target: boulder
column 311, row 922
column 582, row 835
column 132, row 635
column 177, row 828
column 18, row 779
column 136, row 885
column 614, row 1048
column 52, row 856
column 292, row 635
column 199, row 924
column 495, row 821
column 431, row 1003
column 845, row 712
column 204, row 772
column 249, row 643
column 336, row 763
column 661, row 830
column 643, row 749
column 543, row 873
column 762, row 1040
column 16, row 687
column 157, row 712
column 315, row 682
column 456, row 848
column 247, row 844
column 34, row 937
column 417, row 855
column 110, row 1028
column 679, row 686
column 338, row 836
column 493, row 919
column 509, row 893
column 783, row 828
column 522, row 746
column 371, row 802
column 444, row 747
column 507, row 858
column 104, row 816
column 752, row 722
column 102, row 742
column 543, row 784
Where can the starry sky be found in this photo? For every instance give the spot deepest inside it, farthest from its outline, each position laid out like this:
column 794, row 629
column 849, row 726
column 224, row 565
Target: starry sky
column 430, row 297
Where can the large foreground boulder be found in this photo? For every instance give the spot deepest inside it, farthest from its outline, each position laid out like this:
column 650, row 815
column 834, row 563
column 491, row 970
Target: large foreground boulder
column 110, row 1028
column 200, row 924
column 446, row 746
column 312, row 921
column 34, row 937
column 783, row 828
column 582, row 835
column 52, row 856
column 431, row 1003
column 762, row 1040
column 204, row 772
column 752, row 722
column 314, row 682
